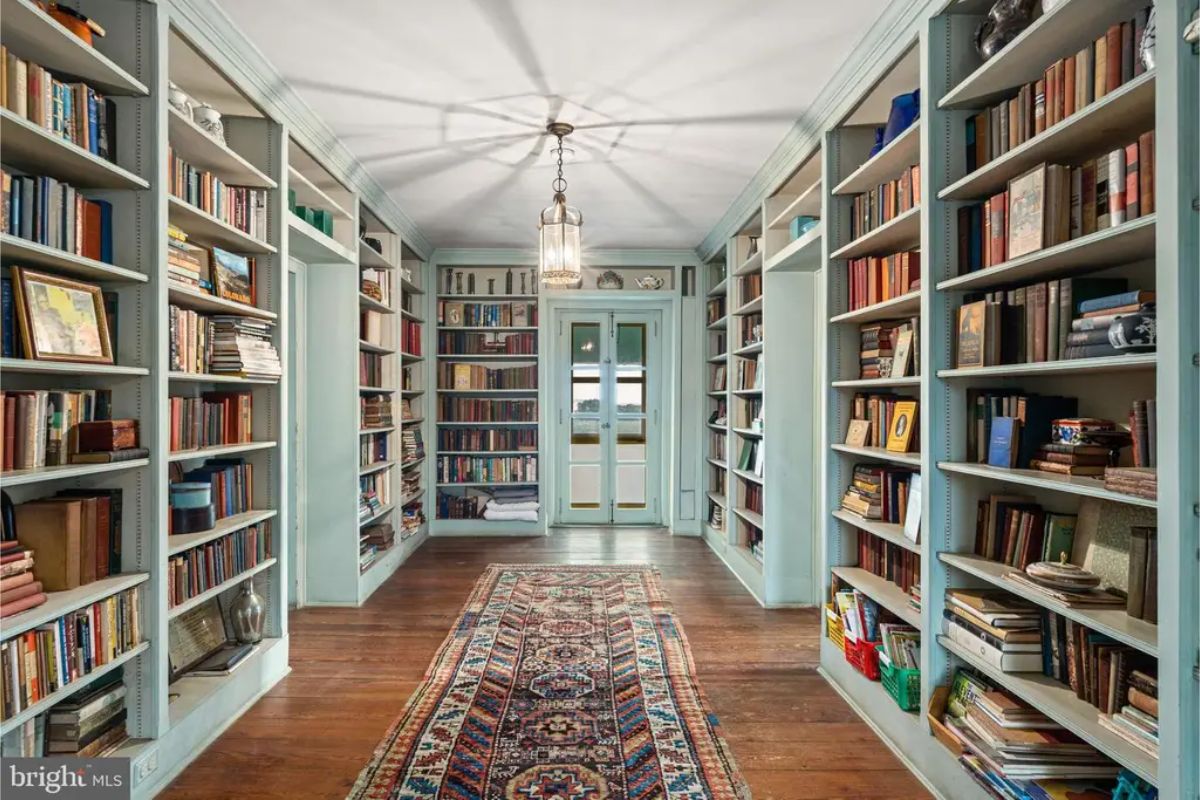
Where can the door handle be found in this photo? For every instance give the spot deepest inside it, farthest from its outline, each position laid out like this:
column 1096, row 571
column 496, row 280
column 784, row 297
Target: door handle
column 605, row 425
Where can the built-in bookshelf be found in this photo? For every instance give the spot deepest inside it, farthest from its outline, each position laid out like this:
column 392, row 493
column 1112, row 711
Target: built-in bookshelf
column 487, row 407
column 716, row 405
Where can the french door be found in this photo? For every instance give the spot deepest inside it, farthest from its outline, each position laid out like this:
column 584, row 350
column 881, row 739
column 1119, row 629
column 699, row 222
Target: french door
column 609, row 373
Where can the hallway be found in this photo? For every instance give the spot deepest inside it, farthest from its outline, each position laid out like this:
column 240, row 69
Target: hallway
column 353, row 670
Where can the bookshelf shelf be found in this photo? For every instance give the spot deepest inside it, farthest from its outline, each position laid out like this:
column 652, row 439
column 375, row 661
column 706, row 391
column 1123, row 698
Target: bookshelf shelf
column 503, row 392
column 748, row 558
column 749, row 350
column 412, row 392
column 1131, row 241
column 807, row 203
column 419, row 420
column 416, row 462
column 29, row 366
column 750, row 307
column 196, row 693
column 378, row 515
column 312, row 246
column 189, row 297
column 719, row 323
column 448, row 484
column 39, row 256
column 54, row 698
column 901, row 231
column 487, row 357
column 719, row 288
column 1110, row 622
column 310, row 195
column 718, row 463
column 375, row 390
column 24, row 477
column 1069, row 484
column 367, row 347
column 191, row 143
column 59, row 603
column 900, row 306
column 882, row 591
column 719, row 358
column 404, row 312
column 220, row 450
column 753, row 517
column 879, row 454
column 747, row 392
column 751, row 264
column 177, row 543
column 29, row 146
column 803, row 253
column 367, row 257
column 876, row 383
column 410, row 358
column 746, row 475
column 1070, row 26
column 1106, row 364
column 192, row 602
column 28, row 29
column 410, row 287
column 378, row 466
column 1058, row 701
column 719, row 499
column 365, row 431
column 901, row 153
column 884, row 530
column 1120, row 115
column 206, row 228
column 206, row 377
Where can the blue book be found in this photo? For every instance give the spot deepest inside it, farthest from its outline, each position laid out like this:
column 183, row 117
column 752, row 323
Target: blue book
column 8, row 321
column 93, row 122
column 1130, row 298
column 1002, row 446
column 975, row 242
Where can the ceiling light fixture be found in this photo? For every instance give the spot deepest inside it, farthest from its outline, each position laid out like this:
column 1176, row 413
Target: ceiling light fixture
column 558, row 226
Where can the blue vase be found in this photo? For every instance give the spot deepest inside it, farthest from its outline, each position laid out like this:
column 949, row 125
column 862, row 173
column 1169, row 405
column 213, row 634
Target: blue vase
column 906, row 108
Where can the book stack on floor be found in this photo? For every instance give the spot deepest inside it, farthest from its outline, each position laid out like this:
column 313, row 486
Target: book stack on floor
column 1137, row 719
column 39, row 662
column 64, row 219
column 1015, row 751
column 89, row 723
column 887, row 349
column 373, row 541
column 19, row 589
column 877, row 279
column 1055, row 203
column 999, row 628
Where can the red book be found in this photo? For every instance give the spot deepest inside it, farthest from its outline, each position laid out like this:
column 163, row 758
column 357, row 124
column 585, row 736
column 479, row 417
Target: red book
column 1145, row 182
column 15, row 581
column 1112, row 77
column 1051, row 97
column 986, row 249
column 998, row 228
column 12, row 595
column 16, row 607
column 1132, row 181
column 1069, row 86
column 15, row 555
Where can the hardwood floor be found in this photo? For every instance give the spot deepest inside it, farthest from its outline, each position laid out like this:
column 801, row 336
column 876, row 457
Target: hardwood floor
column 353, row 669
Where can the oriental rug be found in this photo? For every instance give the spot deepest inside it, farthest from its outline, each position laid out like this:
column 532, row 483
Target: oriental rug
column 558, row 683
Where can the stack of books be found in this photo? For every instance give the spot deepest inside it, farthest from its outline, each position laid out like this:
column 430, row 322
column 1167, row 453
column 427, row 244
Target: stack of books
column 89, row 723
column 901, row 645
column 373, row 541
column 75, row 534
column 999, row 628
column 1142, row 591
column 376, row 411
column 411, row 519
column 412, row 445
column 368, row 505
column 887, row 349
column 187, row 264
column 1137, row 481
column 879, row 492
column 18, row 589
column 410, row 482
column 1100, row 329
column 242, row 346
column 1137, row 721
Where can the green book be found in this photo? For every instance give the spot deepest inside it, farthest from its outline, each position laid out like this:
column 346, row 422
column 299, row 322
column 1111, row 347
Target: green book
column 1060, row 536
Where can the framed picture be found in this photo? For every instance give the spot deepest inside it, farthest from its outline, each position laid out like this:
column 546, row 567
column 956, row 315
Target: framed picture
column 901, row 433
column 193, row 635
column 61, row 319
column 972, row 334
column 1027, row 212
column 233, row 276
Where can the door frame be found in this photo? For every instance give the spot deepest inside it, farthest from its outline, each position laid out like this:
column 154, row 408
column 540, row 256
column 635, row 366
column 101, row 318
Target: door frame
column 551, row 396
column 298, row 380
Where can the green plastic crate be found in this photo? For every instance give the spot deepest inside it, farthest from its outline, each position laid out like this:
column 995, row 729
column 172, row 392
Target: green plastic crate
column 904, row 685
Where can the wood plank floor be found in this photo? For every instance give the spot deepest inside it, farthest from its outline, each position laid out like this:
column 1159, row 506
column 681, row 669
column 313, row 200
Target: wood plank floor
column 353, row 669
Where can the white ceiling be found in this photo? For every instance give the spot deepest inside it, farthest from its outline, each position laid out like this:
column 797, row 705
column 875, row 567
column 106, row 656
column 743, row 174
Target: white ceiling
column 678, row 102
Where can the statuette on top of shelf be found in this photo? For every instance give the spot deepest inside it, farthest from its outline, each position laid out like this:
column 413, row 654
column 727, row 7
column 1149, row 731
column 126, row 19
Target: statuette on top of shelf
column 179, row 100
column 209, row 120
column 1005, row 22
column 649, row 282
column 609, row 279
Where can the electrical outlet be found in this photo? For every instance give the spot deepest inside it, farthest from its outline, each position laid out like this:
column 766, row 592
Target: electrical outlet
column 147, row 765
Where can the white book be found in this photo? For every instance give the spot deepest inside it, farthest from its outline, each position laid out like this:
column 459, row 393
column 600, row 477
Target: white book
column 1005, row 662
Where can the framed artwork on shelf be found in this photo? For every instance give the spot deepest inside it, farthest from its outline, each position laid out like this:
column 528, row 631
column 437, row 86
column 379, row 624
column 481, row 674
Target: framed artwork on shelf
column 61, row 319
column 234, row 276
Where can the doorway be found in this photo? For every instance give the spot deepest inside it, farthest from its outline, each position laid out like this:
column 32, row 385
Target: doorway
column 297, row 494
column 607, row 369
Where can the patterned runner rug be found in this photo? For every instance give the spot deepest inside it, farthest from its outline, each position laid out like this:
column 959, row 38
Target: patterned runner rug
column 558, row 683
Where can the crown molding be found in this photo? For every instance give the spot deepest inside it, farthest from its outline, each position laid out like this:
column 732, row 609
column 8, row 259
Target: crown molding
column 888, row 38
column 207, row 26
column 485, row 256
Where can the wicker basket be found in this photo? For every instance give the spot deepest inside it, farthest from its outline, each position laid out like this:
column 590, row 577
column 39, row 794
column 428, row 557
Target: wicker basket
column 863, row 657
column 904, row 685
column 833, row 627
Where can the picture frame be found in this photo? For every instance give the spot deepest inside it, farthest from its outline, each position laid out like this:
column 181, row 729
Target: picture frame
column 903, row 424
column 233, row 276
column 61, row 319
column 1027, row 213
column 194, row 635
column 972, row 335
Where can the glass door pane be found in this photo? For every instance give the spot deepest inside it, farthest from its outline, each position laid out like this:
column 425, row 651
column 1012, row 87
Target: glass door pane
column 585, row 449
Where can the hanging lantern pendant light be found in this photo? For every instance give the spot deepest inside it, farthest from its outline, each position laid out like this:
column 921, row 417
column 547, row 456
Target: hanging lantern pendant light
column 558, row 227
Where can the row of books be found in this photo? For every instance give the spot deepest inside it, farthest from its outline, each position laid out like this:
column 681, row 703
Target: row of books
column 1026, row 432
column 884, row 493
column 750, row 329
column 750, row 286
column 889, row 349
column 474, row 376
column 373, row 328
column 375, row 490
column 875, row 416
column 374, row 448
column 452, row 343
column 1056, row 320
column 888, row 560
column 452, row 314
column 714, row 309
column 211, row 420
column 198, row 569
column 471, row 409
column 718, row 445
column 1054, row 203
column 1015, row 530
column 456, row 506
column 39, row 662
column 718, row 382
column 375, row 411
column 877, row 279
column 752, row 498
column 40, row 427
column 231, row 482
column 716, row 340
column 1143, row 428
column 377, row 284
column 55, row 214
column 749, row 372
column 238, row 206
column 1136, row 721
column 751, row 457
column 222, row 345
column 484, row 439
column 76, row 535
column 1015, row 751
column 412, row 445
column 211, row 270
column 487, row 469
column 1069, row 86
column 410, row 337
column 371, row 369
column 885, row 202
column 72, row 111
column 373, row 541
